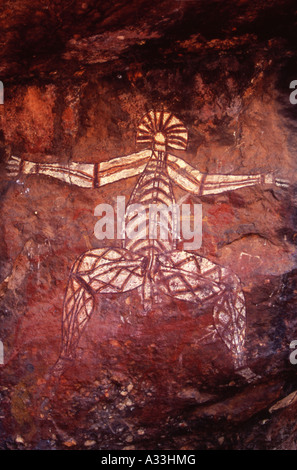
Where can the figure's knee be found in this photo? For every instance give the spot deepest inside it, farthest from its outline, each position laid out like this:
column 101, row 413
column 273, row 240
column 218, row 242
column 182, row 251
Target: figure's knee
column 222, row 275
column 230, row 279
column 76, row 265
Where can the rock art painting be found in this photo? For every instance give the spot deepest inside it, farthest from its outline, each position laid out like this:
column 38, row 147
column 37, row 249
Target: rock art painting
column 151, row 265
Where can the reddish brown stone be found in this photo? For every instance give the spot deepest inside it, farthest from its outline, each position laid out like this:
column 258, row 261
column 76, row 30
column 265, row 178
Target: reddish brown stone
column 78, row 79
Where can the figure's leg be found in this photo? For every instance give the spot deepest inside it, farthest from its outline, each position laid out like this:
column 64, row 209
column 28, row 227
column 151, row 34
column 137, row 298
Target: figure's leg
column 79, row 303
column 98, row 271
column 230, row 317
column 190, row 277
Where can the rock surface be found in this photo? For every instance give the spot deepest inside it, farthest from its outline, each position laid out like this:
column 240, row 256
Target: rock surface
column 78, row 77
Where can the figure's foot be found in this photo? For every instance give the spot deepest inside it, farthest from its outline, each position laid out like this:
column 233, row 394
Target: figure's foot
column 60, row 365
column 146, row 307
column 52, row 378
column 243, row 370
column 247, row 374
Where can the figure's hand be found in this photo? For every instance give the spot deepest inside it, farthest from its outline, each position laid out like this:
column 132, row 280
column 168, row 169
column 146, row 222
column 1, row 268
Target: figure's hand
column 271, row 179
column 284, row 184
column 13, row 166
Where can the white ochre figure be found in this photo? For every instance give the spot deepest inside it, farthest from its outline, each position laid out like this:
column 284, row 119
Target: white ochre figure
column 153, row 266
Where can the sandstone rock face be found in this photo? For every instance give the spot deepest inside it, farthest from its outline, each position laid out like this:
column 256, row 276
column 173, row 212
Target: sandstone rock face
column 78, row 78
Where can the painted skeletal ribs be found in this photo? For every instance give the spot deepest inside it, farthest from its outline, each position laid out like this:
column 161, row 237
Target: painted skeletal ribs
column 153, row 266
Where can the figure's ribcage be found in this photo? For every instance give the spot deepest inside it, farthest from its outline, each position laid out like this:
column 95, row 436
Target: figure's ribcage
column 156, row 226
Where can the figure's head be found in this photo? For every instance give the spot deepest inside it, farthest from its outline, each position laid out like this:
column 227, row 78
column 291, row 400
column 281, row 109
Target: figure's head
column 161, row 130
column 160, row 141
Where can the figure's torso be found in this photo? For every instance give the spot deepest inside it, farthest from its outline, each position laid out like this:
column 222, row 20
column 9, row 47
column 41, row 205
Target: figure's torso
column 153, row 191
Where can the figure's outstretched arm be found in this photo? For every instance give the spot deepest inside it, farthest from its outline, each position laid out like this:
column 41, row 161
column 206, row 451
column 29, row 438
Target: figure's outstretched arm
column 88, row 175
column 194, row 181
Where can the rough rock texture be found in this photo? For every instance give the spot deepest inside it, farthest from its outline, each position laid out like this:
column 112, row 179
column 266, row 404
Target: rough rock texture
column 78, row 76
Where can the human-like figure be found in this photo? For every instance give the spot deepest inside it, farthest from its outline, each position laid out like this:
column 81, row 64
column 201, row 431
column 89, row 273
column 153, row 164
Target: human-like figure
column 151, row 265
